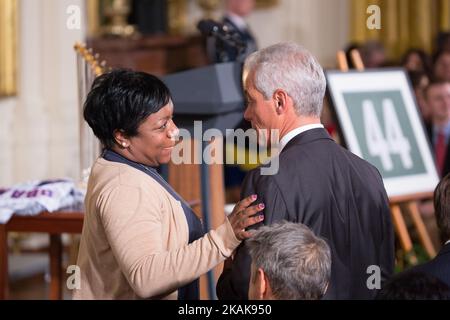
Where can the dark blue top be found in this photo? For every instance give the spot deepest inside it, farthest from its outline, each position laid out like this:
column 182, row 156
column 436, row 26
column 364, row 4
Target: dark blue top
column 190, row 291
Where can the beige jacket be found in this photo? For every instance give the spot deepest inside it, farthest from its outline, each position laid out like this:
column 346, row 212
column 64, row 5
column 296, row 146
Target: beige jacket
column 135, row 239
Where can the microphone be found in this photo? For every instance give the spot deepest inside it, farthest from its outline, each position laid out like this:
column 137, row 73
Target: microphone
column 220, row 31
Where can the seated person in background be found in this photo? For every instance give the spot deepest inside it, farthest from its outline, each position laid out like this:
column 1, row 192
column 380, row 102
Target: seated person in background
column 373, row 55
column 140, row 239
column 416, row 60
column 441, row 66
column 437, row 96
column 411, row 285
column 288, row 263
column 419, row 82
column 440, row 265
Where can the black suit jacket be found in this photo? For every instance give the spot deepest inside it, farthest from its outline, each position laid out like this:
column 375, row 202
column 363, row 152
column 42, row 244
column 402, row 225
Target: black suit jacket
column 430, row 133
column 340, row 197
column 438, row 267
column 225, row 53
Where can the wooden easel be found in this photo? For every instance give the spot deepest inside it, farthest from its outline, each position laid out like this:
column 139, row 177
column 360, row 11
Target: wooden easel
column 410, row 205
column 399, row 204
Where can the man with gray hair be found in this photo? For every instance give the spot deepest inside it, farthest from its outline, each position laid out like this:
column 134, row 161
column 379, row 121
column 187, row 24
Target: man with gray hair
column 288, row 263
column 320, row 184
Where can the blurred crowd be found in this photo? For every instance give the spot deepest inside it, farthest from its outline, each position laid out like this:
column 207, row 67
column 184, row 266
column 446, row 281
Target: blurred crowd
column 429, row 75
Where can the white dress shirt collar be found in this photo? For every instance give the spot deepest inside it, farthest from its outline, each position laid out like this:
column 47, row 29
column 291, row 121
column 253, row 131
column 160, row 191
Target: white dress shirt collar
column 238, row 21
column 447, row 242
column 291, row 134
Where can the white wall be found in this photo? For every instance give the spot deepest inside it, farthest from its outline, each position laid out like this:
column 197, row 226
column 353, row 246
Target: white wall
column 7, row 106
column 320, row 25
column 38, row 128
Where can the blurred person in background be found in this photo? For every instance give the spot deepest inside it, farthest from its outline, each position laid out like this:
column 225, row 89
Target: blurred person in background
column 419, row 82
column 437, row 96
column 416, row 60
column 441, row 66
column 234, row 19
column 373, row 55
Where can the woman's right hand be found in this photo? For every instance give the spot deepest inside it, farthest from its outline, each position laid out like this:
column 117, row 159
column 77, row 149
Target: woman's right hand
column 244, row 215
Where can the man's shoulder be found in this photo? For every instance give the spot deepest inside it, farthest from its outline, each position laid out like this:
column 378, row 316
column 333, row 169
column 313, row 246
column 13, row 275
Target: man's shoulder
column 436, row 268
column 442, row 260
column 300, row 158
column 257, row 175
column 312, row 152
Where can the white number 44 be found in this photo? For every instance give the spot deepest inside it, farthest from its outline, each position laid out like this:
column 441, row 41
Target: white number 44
column 392, row 142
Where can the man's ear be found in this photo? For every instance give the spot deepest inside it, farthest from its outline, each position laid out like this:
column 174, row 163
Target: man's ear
column 326, row 288
column 121, row 138
column 281, row 99
column 261, row 282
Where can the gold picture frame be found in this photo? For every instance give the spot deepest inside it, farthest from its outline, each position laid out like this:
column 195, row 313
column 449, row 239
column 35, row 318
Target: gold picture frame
column 265, row 4
column 8, row 48
column 176, row 10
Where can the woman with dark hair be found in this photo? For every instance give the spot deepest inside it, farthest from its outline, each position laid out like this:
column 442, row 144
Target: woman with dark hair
column 441, row 66
column 140, row 239
column 416, row 60
column 419, row 82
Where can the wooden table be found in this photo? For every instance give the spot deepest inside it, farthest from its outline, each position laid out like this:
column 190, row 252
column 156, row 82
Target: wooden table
column 54, row 224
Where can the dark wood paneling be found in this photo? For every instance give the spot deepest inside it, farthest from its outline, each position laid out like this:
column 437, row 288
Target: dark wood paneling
column 158, row 55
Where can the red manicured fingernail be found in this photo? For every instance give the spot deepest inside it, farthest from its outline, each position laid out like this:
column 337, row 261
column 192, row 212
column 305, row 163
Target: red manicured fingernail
column 254, row 197
column 261, row 217
column 262, row 206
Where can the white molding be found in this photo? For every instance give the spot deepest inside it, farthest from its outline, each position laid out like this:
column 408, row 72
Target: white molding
column 6, row 140
column 42, row 124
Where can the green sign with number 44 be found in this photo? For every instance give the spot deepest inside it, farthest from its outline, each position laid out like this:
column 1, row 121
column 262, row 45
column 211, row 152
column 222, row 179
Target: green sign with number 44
column 384, row 133
column 379, row 121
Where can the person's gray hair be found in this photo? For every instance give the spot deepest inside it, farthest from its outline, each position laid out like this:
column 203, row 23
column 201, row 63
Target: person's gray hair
column 297, row 262
column 292, row 68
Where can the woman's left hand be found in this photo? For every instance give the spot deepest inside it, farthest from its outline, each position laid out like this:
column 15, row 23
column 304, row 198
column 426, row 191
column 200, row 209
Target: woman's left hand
column 244, row 215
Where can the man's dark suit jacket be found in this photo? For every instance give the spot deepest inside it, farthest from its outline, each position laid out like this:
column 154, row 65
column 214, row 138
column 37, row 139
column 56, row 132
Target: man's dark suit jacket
column 430, row 133
column 231, row 53
column 340, row 197
column 438, row 267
